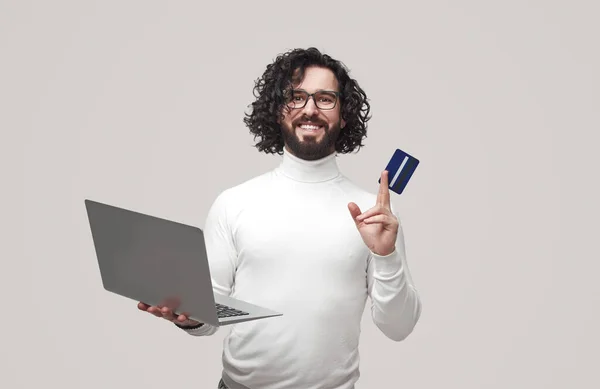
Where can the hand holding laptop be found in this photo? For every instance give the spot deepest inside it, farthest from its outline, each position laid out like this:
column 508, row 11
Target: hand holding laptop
column 162, row 265
column 167, row 314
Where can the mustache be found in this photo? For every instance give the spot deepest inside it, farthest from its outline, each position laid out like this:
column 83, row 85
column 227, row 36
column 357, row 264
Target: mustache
column 316, row 122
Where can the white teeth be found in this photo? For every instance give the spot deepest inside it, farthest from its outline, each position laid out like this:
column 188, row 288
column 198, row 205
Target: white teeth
column 309, row 127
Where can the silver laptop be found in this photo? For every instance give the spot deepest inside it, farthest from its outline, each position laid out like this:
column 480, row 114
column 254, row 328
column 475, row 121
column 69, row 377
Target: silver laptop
column 163, row 263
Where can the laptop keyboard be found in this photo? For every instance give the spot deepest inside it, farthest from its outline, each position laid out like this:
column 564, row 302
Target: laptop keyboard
column 225, row 311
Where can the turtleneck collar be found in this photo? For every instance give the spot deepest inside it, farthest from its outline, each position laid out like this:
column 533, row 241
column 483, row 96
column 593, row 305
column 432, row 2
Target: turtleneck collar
column 298, row 169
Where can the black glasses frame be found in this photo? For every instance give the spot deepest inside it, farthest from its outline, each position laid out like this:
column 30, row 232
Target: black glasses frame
column 312, row 95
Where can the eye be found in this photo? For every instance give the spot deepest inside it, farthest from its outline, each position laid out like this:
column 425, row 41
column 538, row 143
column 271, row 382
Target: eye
column 299, row 96
column 326, row 98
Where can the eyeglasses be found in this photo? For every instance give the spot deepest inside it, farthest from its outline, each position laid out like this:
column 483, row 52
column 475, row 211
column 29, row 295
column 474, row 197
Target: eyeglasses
column 298, row 98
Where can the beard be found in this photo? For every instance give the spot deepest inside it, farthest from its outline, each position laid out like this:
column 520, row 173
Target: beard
column 311, row 148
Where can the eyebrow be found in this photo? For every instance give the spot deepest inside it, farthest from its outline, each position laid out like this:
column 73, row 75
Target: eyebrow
column 318, row 90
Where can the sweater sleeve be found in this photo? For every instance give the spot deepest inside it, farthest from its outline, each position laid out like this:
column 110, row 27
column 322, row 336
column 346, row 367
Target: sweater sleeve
column 222, row 255
column 395, row 303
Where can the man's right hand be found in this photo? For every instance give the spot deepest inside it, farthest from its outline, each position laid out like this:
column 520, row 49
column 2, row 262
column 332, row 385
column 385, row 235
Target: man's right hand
column 168, row 314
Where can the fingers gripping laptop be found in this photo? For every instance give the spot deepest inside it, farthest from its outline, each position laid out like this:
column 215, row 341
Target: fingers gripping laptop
column 163, row 263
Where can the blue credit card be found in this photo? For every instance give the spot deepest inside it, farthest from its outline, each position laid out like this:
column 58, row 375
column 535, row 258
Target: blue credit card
column 400, row 169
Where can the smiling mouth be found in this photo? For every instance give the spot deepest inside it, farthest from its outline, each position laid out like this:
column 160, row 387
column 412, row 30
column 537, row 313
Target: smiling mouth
column 310, row 127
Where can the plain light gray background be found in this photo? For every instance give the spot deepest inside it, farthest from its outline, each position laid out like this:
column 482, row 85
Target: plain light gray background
column 140, row 104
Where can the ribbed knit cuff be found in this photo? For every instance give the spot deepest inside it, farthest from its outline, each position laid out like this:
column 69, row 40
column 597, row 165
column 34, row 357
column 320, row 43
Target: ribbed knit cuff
column 387, row 265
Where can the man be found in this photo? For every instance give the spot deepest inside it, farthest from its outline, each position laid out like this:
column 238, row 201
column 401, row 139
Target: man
column 296, row 239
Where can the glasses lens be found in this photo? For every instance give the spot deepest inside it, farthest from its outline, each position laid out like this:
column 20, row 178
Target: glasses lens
column 296, row 99
column 325, row 100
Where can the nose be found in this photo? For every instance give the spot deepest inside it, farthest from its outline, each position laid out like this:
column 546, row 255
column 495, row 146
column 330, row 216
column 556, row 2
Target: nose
column 310, row 109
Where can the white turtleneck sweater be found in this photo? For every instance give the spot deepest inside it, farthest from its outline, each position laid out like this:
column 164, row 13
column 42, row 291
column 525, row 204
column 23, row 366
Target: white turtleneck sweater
column 286, row 240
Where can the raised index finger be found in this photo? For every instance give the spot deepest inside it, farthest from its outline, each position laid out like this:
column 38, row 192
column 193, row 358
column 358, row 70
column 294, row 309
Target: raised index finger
column 383, row 197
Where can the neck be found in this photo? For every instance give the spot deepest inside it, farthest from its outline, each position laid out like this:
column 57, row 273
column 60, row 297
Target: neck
column 302, row 170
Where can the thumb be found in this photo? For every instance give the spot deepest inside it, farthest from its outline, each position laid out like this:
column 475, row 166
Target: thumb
column 354, row 211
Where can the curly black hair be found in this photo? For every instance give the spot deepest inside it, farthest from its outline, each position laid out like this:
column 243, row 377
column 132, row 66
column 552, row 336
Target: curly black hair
column 279, row 76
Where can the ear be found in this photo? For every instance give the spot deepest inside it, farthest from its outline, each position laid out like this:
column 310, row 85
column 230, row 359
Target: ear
column 343, row 124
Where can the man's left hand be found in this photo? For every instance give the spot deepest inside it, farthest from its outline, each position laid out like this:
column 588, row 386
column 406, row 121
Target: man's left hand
column 378, row 226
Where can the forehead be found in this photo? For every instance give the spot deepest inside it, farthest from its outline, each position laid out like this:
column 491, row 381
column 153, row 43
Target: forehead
column 316, row 78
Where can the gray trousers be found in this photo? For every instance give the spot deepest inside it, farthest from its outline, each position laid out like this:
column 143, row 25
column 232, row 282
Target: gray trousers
column 222, row 385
